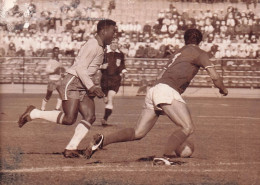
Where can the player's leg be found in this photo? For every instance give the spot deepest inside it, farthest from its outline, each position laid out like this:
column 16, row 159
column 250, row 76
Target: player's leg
column 46, row 99
column 145, row 123
column 58, row 104
column 71, row 99
column 87, row 110
column 68, row 117
column 109, row 106
column 59, row 99
column 179, row 113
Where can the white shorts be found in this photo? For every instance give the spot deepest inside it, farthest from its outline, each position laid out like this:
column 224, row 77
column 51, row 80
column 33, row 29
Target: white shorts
column 161, row 93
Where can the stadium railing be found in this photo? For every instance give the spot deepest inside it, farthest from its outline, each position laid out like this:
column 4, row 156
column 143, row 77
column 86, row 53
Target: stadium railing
column 141, row 71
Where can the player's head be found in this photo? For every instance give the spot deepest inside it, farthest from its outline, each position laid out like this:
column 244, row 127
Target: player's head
column 192, row 36
column 106, row 29
column 55, row 51
column 114, row 44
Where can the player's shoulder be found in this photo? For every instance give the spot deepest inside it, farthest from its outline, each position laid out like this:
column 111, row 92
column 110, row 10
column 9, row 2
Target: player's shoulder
column 92, row 41
column 197, row 51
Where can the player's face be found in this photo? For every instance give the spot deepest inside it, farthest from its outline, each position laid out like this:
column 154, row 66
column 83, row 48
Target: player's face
column 113, row 46
column 55, row 52
column 109, row 34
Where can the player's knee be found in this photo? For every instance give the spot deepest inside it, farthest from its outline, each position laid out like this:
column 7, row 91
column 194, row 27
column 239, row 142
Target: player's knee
column 188, row 130
column 91, row 119
column 69, row 120
column 139, row 135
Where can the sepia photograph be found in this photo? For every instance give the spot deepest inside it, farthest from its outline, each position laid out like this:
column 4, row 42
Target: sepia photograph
column 130, row 92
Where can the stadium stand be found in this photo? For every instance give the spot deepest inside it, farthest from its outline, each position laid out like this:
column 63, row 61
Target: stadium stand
column 149, row 34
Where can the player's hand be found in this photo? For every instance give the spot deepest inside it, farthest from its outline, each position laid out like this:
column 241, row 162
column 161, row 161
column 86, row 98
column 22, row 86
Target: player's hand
column 104, row 66
column 223, row 91
column 97, row 91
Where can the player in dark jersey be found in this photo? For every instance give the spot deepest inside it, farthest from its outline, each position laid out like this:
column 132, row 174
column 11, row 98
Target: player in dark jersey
column 165, row 98
column 112, row 70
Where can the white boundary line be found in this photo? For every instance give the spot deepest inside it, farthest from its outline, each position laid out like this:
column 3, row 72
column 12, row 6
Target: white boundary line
column 138, row 168
column 220, row 117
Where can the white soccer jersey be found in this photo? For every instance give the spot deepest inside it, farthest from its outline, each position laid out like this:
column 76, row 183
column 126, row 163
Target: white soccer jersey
column 51, row 67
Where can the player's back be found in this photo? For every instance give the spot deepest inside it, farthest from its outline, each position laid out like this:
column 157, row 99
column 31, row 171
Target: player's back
column 183, row 66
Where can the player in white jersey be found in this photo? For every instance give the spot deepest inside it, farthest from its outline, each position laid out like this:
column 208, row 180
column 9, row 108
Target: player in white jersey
column 55, row 70
column 78, row 90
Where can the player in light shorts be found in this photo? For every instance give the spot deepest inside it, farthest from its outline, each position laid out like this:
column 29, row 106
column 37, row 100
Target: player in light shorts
column 165, row 97
column 161, row 94
column 55, row 70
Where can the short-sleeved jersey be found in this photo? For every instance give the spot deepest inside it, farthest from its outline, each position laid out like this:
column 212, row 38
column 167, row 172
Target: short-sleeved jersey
column 116, row 63
column 51, row 66
column 89, row 59
column 183, row 66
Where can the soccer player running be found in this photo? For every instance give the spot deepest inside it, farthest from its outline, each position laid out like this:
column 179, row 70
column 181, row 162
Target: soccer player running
column 78, row 90
column 112, row 70
column 55, row 70
column 165, row 98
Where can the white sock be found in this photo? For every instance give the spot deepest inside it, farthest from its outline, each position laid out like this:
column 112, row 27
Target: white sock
column 46, row 115
column 80, row 132
column 59, row 102
column 44, row 102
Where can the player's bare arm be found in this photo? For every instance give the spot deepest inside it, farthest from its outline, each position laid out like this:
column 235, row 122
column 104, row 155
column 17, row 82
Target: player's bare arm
column 89, row 83
column 217, row 80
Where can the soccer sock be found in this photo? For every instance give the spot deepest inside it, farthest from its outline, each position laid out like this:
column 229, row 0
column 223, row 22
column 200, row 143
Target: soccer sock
column 53, row 116
column 44, row 102
column 59, row 103
column 175, row 140
column 124, row 135
column 80, row 132
column 108, row 112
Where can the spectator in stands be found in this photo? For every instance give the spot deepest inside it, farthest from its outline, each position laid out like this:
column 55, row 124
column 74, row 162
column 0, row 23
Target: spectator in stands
column 161, row 52
column 2, row 52
column 150, row 52
column 248, row 2
column 111, row 6
column 169, row 50
column 253, row 39
column 137, row 28
column 140, row 53
column 223, row 27
column 157, row 28
column 147, row 28
column 172, row 29
column 182, row 26
column 11, row 50
column 257, row 56
column 208, row 26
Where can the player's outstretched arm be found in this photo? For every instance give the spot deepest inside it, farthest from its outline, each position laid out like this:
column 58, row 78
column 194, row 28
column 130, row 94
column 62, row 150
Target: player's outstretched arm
column 217, row 80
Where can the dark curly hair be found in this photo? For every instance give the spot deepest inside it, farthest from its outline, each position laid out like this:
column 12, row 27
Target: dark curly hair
column 192, row 36
column 104, row 23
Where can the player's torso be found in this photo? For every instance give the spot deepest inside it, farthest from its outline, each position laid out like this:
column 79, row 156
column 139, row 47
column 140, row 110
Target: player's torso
column 183, row 66
column 96, row 57
column 53, row 65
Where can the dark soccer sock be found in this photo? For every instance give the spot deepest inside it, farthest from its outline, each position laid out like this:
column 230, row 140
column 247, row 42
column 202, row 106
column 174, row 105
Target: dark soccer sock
column 175, row 140
column 108, row 112
column 123, row 135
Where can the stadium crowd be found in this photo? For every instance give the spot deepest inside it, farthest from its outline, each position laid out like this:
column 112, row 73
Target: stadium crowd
column 232, row 33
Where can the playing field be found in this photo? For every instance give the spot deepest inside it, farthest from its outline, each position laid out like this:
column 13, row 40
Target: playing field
column 227, row 146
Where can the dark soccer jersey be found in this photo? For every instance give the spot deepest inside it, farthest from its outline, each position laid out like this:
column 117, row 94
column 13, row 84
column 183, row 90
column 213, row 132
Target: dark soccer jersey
column 115, row 62
column 183, row 66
